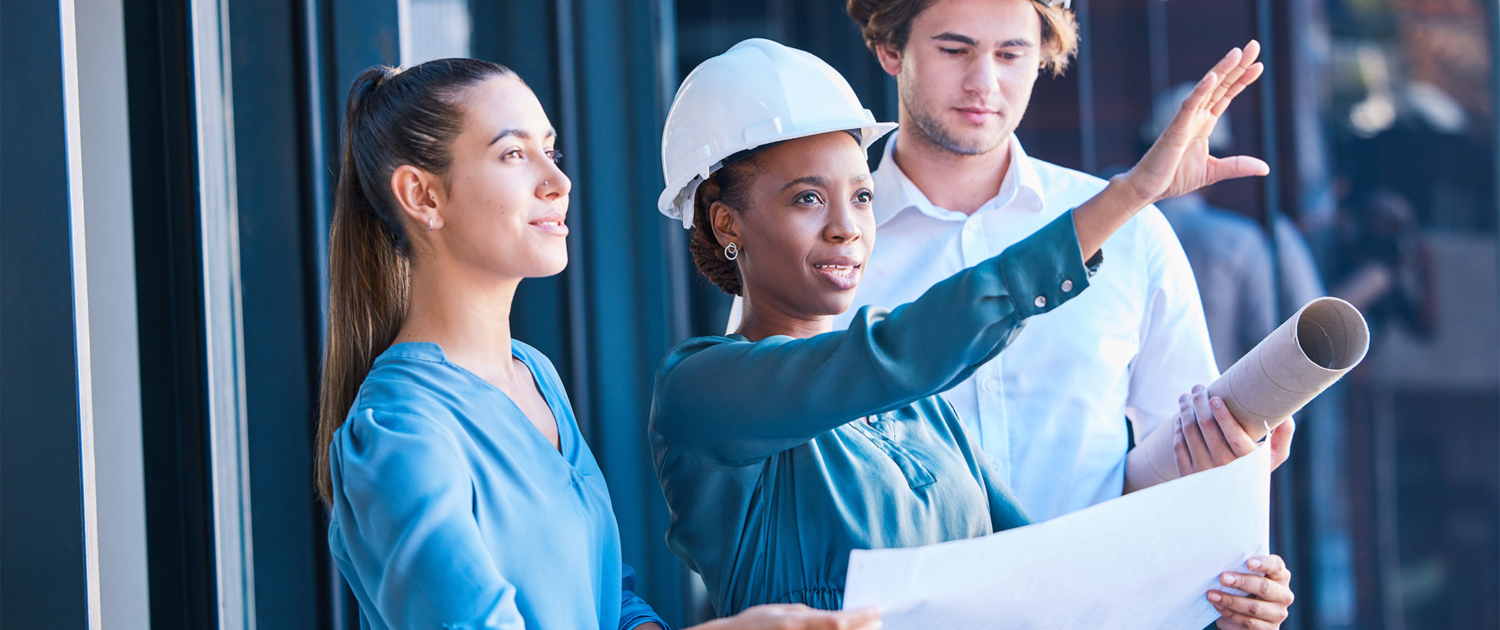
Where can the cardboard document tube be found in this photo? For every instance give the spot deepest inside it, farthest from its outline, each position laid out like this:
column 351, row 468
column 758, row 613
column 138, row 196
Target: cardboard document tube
column 1285, row 371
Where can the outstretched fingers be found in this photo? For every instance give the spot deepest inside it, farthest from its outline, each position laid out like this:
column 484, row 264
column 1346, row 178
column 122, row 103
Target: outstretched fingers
column 1251, row 75
column 1233, row 75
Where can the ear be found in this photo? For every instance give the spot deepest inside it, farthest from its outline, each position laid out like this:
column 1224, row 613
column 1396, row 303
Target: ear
column 725, row 222
column 420, row 194
column 890, row 58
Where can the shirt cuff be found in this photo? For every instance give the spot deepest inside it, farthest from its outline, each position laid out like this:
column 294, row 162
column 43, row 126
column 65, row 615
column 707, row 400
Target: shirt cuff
column 1045, row 270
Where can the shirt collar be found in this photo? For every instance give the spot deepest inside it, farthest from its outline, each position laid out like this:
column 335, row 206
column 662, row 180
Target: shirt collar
column 1022, row 180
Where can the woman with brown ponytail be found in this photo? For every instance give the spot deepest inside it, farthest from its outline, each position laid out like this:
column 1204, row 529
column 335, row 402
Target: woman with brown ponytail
column 462, row 494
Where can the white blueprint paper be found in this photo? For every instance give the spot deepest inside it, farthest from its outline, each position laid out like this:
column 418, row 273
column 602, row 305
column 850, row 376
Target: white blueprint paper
column 1144, row 560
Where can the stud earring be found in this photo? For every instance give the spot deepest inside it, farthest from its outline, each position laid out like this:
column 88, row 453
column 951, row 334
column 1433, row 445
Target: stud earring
column 731, row 251
column 429, row 224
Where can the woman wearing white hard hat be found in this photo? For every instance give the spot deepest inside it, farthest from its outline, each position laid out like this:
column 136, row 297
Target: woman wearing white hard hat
column 782, row 447
column 462, row 494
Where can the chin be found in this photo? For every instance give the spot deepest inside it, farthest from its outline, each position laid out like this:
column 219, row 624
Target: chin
column 549, row 264
column 839, row 304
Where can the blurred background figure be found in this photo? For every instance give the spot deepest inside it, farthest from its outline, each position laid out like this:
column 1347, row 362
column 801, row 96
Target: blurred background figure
column 168, row 177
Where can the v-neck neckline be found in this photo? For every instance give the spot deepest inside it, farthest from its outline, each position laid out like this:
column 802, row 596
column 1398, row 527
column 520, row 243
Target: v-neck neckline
column 566, row 448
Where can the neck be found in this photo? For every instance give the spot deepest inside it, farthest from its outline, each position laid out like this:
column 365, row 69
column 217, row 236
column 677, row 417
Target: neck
column 952, row 181
column 467, row 315
column 760, row 319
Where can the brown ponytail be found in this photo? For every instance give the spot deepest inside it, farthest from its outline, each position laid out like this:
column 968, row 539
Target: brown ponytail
column 391, row 118
column 727, row 185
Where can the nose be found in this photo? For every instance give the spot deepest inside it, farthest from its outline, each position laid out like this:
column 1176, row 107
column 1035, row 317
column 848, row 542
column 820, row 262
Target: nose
column 555, row 183
column 841, row 226
column 983, row 77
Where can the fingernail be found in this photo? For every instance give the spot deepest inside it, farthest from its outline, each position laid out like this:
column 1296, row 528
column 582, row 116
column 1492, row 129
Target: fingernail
column 1182, row 398
column 1229, row 579
column 1197, row 388
column 1214, row 597
column 1218, row 403
column 1253, row 563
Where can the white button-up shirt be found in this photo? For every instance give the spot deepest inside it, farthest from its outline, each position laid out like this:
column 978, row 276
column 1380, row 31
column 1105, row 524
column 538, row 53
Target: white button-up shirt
column 1050, row 410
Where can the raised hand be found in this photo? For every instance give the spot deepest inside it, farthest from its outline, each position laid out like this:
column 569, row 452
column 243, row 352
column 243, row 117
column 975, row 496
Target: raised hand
column 1179, row 162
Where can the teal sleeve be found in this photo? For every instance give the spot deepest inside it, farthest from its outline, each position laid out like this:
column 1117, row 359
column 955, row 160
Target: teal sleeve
column 732, row 403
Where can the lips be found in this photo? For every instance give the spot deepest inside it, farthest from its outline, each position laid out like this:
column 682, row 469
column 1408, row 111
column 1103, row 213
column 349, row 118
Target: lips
column 842, row 272
column 977, row 115
column 553, row 224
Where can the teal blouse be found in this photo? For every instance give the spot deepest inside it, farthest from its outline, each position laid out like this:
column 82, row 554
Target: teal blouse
column 451, row 510
column 772, row 472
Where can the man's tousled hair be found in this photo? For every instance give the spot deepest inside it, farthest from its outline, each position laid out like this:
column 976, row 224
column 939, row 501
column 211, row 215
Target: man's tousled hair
column 888, row 23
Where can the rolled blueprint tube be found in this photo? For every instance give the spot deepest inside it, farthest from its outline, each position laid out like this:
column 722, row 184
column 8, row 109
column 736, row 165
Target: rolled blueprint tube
column 1285, row 371
column 1289, row 368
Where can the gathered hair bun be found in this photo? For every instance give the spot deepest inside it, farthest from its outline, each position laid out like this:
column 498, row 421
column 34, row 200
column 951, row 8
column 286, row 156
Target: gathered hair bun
column 708, row 252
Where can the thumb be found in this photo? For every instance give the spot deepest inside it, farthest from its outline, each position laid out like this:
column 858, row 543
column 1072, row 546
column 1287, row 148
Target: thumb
column 1281, row 442
column 1220, row 169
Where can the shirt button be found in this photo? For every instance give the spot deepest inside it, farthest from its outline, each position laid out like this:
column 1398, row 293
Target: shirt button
column 991, row 384
column 1041, row 301
column 1067, row 286
column 969, row 226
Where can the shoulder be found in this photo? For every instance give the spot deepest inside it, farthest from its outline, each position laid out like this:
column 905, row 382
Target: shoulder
column 403, row 385
column 407, row 392
column 694, row 346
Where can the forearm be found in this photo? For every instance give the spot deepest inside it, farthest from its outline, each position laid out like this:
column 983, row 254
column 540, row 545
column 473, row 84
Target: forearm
column 733, row 402
column 1099, row 217
column 1152, row 461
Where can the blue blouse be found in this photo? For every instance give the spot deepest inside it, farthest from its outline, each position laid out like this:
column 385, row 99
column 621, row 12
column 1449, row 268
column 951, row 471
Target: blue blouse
column 778, row 457
column 451, row 510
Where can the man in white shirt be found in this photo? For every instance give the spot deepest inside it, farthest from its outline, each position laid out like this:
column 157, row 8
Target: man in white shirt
column 956, row 187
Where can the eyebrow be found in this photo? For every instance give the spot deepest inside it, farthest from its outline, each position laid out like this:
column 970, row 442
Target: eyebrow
column 819, row 180
column 811, row 180
column 950, row 36
column 521, row 133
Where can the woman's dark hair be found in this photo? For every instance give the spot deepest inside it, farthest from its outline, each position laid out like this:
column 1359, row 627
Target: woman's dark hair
column 392, row 118
column 729, row 185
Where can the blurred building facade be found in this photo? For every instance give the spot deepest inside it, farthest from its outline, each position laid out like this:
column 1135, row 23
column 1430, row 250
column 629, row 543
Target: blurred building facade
column 166, row 177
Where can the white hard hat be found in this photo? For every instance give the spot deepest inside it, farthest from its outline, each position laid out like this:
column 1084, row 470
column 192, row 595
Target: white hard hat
column 757, row 93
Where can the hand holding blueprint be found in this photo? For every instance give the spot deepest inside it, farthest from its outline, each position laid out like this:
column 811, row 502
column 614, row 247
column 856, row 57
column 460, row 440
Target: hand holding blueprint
column 1142, row 561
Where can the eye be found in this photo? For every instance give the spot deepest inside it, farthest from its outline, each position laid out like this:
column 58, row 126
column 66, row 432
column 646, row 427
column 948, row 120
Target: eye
column 952, row 52
column 864, row 196
column 809, row 198
column 555, row 155
column 511, row 153
column 1010, row 56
